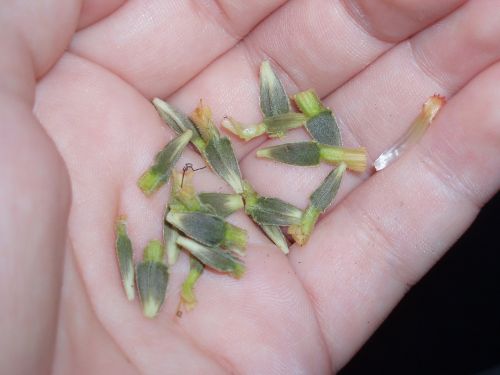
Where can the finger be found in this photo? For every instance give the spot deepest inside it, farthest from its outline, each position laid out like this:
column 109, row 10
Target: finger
column 324, row 48
column 95, row 10
column 386, row 234
column 157, row 46
column 34, row 185
column 378, row 105
column 108, row 134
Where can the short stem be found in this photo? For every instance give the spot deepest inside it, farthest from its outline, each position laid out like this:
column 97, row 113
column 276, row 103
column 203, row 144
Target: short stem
column 309, row 103
column 355, row 158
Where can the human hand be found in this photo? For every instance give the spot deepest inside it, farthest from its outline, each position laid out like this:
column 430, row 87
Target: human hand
column 308, row 312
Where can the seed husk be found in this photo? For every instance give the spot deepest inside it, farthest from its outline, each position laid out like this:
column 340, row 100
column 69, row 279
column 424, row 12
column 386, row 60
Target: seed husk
column 321, row 123
column 221, row 204
column 320, row 200
column 159, row 173
column 178, row 121
column 124, row 254
column 273, row 98
column 213, row 257
column 413, row 134
column 208, row 229
column 188, row 297
column 312, row 153
column 152, row 279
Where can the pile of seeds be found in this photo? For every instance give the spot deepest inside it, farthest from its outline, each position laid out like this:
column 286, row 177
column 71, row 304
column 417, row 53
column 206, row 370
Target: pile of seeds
column 197, row 222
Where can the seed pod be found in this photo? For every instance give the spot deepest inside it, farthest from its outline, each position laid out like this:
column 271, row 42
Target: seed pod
column 221, row 204
column 213, row 257
column 218, row 152
column 124, row 254
column 269, row 211
column 273, row 98
column 158, row 174
column 220, row 156
column 152, row 279
column 320, row 200
column 274, row 211
column 414, row 133
column 298, row 153
column 178, row 121
column 209, row 229
column 321, row 123
column 311, row 153
column 188, row 298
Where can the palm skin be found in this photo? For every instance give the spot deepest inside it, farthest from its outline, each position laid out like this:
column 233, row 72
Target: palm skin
column 306, row 313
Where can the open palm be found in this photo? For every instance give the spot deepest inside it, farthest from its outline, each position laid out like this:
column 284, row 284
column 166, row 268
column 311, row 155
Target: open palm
column 373, row 63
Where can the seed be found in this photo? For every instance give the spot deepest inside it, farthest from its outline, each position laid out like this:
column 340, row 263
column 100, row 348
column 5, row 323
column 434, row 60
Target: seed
column 273, row 98
column 320, row 200
column 321, row 123
column 209, row 229
column 220, row 156
column 125, row 257
column 152, row 279
column 158, row 174
column 221, row 204
column 213, row 257
column 178, row 121
column 311, row 153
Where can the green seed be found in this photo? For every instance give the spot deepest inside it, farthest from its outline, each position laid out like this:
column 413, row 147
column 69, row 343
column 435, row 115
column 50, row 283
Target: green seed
column 220, row 155
column 152, row 279
column 125, row 257
column 320, row 200
column 274, row 211
column 221, row 204
column 321, row 123
column 324, row 129
column 311, row 153
column 178, row 121
column 299, row 153
column 273, row 98
column 209, row 229
column 213, row 257
column 158, row 174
